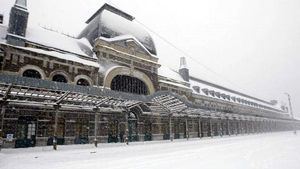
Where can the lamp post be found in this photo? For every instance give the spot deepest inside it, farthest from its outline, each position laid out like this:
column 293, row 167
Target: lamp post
column 290, row 104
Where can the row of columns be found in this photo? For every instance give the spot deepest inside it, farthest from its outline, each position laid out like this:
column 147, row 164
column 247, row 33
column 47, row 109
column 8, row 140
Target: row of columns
column 222, row 126
column 234, row 126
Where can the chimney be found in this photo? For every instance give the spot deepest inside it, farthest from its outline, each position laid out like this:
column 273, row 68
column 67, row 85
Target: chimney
column 183, row 70
column 18, row 20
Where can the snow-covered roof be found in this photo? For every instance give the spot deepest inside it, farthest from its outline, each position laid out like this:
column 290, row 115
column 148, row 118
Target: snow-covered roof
column 227, row 95
column 59, row 41
column 174, row 84
column 48, row 38
column 65, row 56
column 111, row 23
column 63, row 46
column 213, row 90
column 169, row 73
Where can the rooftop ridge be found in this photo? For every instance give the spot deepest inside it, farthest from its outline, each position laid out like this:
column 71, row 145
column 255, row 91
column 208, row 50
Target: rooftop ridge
column 112, row 9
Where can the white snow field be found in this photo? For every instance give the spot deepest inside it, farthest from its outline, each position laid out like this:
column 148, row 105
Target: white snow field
column 261, row 151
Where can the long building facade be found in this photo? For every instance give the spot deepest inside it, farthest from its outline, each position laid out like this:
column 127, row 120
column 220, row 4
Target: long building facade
column 107, row 85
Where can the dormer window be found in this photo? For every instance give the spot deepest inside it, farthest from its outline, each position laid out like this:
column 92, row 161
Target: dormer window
column 212, row 93
column 228, row 97
column 196, row 88
column 218, row 94
column 205, row 91
column 223, row 95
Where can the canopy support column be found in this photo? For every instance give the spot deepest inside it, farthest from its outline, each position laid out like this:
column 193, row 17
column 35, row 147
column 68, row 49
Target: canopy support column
column 199, row 127
column 56, row 108
column 170, row 127
column 97, row 113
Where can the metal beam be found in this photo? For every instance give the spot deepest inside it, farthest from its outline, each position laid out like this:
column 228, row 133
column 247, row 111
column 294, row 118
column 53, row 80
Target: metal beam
column 59, row 100
column 6, row 94
column 102, row 101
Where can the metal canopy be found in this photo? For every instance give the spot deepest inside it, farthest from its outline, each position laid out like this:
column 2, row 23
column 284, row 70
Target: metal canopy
column 17, row 95
column 161, row 105
column 20, row 91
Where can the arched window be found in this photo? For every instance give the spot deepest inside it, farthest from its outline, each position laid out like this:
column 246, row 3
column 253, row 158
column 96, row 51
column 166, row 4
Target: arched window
column 129, row 84
column 59, row 78
column 32, row 74
column 83, row 82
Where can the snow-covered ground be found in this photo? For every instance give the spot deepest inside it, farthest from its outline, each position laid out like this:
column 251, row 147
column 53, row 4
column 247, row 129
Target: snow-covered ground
column 262, row 151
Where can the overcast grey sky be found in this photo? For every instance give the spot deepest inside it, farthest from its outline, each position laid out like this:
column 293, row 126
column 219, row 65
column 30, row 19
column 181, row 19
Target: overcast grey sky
column 253, row 44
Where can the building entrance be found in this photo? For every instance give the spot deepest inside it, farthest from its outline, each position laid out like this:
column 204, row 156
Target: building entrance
column 26, row 132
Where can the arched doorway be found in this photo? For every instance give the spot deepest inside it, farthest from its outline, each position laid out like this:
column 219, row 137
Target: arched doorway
column 32, row 74
column 129, row 84
column 132, row 127
column 59, row 78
